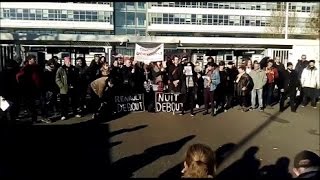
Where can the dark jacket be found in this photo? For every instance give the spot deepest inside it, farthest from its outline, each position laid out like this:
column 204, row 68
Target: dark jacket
column 290, row 81
column 50, row 79
column 223, row 82
column 281, row 69
column 126, row 73
column 137, row 79
column 245, row 81
column 231, row 77
column 175, row 73
column 94, row 70
column 84, row 77
column 300, row 66
column 9, row 84
column 30, row 79
column 115, row 74
column 312, row 175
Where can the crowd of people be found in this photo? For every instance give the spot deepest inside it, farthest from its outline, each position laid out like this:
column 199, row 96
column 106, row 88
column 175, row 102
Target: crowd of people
column 219, row 87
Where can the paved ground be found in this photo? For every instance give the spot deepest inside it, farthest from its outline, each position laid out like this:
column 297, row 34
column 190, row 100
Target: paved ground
column 153, row 144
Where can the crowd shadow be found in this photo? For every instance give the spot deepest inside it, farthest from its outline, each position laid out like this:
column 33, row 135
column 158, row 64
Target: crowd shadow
column 80, row 150
column 125, row 167
column 279, row 170
column 245, row 168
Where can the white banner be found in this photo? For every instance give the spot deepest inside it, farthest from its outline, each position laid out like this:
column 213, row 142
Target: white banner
column 148, row 55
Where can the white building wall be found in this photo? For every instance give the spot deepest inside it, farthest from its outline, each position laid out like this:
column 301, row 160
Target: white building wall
column 55, row 24
column 62, row 6
column 235, row 12
column 212, row 28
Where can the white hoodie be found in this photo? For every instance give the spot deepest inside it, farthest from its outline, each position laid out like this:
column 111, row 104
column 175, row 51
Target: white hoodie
column 310, row 78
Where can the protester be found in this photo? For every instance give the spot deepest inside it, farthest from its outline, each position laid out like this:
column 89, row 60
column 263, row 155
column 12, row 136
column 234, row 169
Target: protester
column 214, row 82
column 200, row 86
column 259, row 79
column 94, row 68
column 30, row 82
column 221, row 88
column 232, row 73
column 310, row 83
column 51, row 90
column 175, row 75
column 207, row 80
column 301, row 65
column 127, row 72
column 280, row 68
column 289, row 85
column 9, row 89
column 67, row 80
column 199, row 162
column 249, row 65
column 307, row 165
column 268, row 91
column 83, row 81
column 244, row 87
column 189, row 82
column 158, row 72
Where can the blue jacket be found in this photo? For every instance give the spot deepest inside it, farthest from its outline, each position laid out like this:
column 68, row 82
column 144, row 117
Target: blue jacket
column 215, row 80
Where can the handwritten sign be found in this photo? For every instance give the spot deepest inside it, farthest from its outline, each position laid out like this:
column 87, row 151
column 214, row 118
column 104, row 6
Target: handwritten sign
column 129, row 103
column 148, row 55
column 168, row 102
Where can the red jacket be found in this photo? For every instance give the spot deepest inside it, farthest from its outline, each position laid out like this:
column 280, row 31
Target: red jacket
column 272, row 74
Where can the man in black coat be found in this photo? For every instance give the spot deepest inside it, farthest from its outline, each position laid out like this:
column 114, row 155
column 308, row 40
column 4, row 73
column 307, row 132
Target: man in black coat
column 303, row 63
column 9, row 88
column 232, row 73
column 289, row 85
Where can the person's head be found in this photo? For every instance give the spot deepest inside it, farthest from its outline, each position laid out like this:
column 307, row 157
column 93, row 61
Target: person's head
column 304, row 161
column 215, row 66
column 127, row 63
column 248, row 63
column 256, row 66
column 115, row 63
column 242, row 69
column 277, row 60
column 159, row 63
column 51, row 63
column 81, row 62
column 230, row 65
column 67, row 61
column 210, row 66
column 97, row 59
column 31, row 59
column 199, row 162
column 109, row 82
column 55, row 58
column 303, row 57
column 221, row 65
column 210, row 59
column 176, row 60
column 270, row 63
column 290, row 66
column 311, row 63
column 102, row 59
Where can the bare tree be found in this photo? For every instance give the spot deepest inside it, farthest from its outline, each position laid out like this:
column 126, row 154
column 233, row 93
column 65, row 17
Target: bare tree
column 314, row 22
column 276, row 22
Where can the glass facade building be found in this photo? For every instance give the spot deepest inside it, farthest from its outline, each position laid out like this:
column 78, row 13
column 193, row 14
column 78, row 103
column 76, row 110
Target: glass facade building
column 130, row 18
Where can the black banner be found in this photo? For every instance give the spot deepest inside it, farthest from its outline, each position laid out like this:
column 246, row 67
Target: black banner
column 129, row 103
column 168, row 102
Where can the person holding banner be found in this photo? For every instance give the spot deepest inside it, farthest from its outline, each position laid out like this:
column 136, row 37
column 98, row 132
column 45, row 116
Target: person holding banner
column 158, row 73
column 188, row 87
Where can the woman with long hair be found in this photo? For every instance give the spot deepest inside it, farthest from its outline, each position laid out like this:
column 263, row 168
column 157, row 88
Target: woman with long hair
column 158, row 72
column 199, row 162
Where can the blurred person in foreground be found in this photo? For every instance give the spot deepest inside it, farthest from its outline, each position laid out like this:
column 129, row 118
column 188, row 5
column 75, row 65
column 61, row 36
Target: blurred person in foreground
column 307, row 165
column 199, row 162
